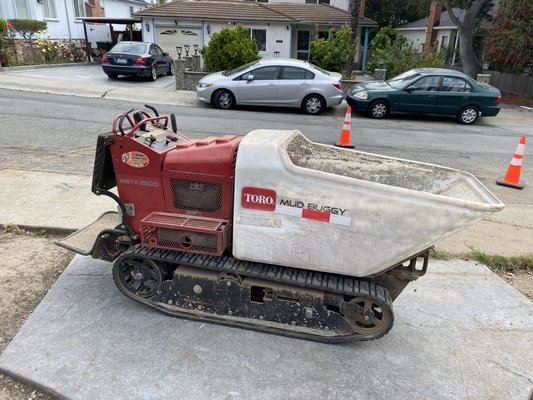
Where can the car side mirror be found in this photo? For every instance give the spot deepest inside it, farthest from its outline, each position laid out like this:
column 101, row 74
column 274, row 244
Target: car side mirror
column 250, row 78
column 410, row 88
column 165, row 54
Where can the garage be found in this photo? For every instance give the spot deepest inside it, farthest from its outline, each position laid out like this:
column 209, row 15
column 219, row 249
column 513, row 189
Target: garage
column 170, row 37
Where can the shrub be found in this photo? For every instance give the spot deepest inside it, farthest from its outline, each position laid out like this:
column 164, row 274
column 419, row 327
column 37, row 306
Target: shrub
column 230, row 48
column 396, row 54
column 6, row 41
column 71, row 52
column 27, row 28
column 333, row 53
column 49, row 49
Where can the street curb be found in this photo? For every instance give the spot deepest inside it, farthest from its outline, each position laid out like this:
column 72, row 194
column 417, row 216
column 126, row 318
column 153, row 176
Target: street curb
column 43, row 66
column 54, row 231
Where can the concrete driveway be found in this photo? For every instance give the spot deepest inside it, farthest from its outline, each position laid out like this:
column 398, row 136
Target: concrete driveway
column 93, row 74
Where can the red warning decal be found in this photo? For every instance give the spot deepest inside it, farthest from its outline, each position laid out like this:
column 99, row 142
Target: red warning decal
column 258, row 199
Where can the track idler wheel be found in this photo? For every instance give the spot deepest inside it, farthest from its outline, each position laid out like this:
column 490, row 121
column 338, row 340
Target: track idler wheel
column 137, row 275
column 368, row 317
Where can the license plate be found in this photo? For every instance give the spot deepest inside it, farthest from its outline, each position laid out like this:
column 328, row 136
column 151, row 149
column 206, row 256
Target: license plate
column 121, row 61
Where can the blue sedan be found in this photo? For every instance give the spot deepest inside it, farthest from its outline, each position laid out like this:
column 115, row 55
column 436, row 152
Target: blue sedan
column 434, row 91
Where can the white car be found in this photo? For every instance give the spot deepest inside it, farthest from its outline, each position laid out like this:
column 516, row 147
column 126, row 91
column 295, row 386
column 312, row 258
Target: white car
column 273, row 82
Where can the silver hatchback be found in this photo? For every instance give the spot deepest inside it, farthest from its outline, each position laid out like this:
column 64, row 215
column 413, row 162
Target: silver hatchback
column 273, row 82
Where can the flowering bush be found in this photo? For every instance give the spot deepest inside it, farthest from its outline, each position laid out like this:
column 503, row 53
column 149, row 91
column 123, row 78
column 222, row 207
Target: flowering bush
column 71, row 52
column 49, row 49
column 6, row 40
column 59, row 51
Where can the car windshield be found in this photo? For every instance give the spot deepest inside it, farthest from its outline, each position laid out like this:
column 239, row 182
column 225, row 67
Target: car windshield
column 239, row 69
column 403, row 80
column 133, row 48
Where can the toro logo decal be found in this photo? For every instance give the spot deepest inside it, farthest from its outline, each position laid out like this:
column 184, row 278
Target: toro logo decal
column 135, row 159
column 258, row 199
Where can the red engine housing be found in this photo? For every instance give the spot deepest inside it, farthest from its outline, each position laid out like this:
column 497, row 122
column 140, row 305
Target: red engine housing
column 179, row 193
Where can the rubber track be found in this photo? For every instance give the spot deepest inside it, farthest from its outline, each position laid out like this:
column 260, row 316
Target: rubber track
column 326, row 282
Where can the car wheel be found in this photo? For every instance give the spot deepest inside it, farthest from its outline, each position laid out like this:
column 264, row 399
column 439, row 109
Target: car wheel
column 313, row 104
column 153, row 72
column 468, row 115
column 224, row 99
column 378, row 109
column 112, row 76
column 171, row 68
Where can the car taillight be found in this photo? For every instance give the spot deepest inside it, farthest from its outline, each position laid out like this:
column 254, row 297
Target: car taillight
column 337, row 85
column 140, row 61
column 104, row 59
column 498, row 99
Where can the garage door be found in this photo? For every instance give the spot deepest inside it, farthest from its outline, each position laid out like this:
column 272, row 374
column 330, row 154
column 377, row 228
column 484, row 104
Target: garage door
column 169, row 38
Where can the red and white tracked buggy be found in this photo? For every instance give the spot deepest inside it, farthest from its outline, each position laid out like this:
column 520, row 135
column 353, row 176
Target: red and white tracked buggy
column 269, row 231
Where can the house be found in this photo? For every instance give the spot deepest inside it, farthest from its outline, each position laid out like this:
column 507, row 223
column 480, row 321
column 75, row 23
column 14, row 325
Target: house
column 62, row 16
column 446, row 32
column 280, row 29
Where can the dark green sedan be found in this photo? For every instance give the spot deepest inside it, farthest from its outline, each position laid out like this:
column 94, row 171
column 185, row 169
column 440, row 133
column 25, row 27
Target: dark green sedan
column 435, row 91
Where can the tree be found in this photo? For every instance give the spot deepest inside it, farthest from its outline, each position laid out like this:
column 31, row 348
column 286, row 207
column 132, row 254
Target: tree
column 27, row 28
column 230, row 48
column 395, row 53
column 334, row 52
column 473, row 9
column 396, row 12
column 355, row 5
column 510, row 46
column 155, row 3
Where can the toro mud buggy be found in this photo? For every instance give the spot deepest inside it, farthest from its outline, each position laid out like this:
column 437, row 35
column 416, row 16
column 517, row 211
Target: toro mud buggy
column 269, row 231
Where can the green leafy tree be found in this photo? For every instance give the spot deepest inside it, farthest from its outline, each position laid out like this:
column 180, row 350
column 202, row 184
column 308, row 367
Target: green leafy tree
column 510, row 46
column 28, row 28
column 396, row 12
column 396, row 54
column 230, row 48
column 334, row 52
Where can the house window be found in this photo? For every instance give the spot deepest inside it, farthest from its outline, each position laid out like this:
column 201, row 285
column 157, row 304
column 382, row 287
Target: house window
column 323, row 2
column 79, row 8
column 22, row 9
column 260, row 36
column 49, row 9
column 311, row 1
column 262, row 1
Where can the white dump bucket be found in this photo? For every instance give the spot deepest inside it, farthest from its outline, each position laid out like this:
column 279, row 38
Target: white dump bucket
column 323, row 208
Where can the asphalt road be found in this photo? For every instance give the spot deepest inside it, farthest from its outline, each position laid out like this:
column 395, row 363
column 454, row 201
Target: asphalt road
column 53, row 133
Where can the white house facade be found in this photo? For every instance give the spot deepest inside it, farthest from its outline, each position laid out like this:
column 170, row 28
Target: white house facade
column 61, row 16
column 280, row 29
column 446, row 32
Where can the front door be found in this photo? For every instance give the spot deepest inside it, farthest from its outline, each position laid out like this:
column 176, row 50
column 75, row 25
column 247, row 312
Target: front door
column 303, row 40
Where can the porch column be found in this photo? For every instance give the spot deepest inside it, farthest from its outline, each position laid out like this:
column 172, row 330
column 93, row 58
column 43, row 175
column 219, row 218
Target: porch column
column 363, row 69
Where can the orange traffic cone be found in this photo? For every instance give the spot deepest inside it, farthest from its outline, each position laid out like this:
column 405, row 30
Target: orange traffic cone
column 512, row 177
column 344, row 140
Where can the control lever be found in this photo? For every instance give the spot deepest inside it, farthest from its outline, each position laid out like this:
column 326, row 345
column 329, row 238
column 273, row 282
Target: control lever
column 138, row 117
column 170, row 138
column 173, row 123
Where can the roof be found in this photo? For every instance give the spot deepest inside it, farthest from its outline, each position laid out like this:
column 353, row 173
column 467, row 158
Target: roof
column 445, row 21
column 316, row 13
column 105, row 20
column 243, row 10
